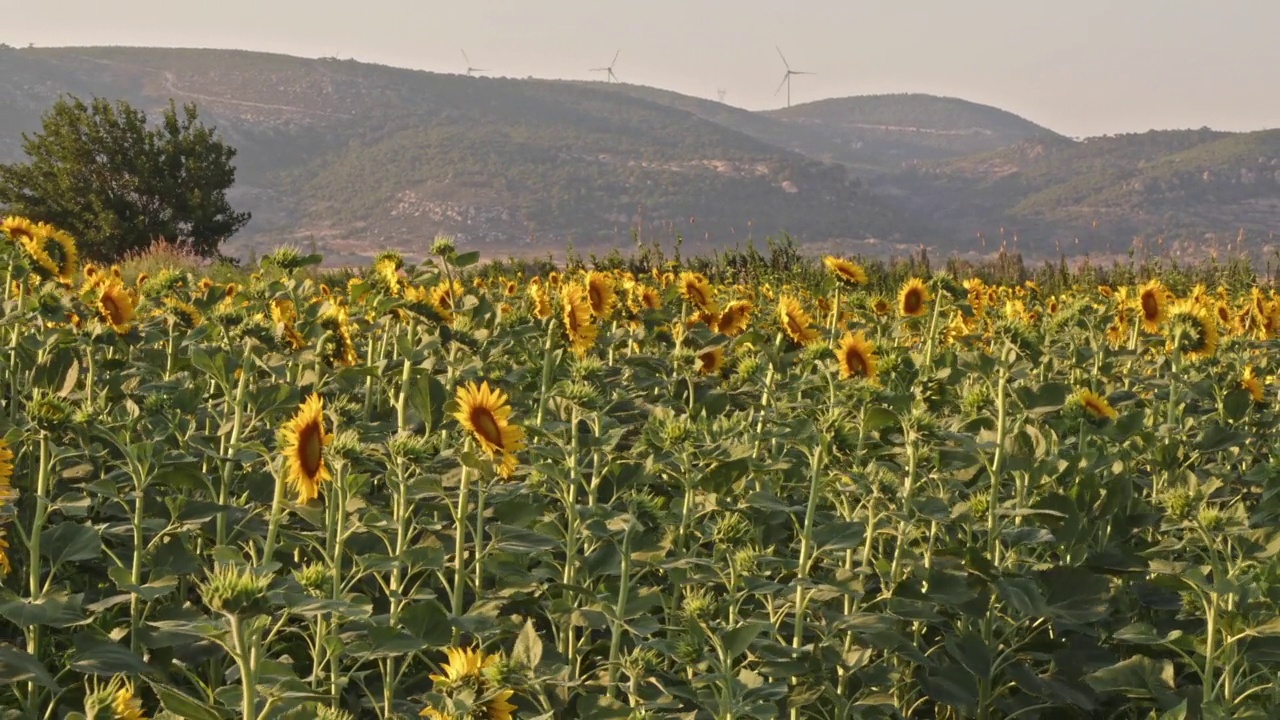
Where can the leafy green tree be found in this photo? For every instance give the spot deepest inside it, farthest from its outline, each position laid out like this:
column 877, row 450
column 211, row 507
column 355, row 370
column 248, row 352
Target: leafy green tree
column 101, row 173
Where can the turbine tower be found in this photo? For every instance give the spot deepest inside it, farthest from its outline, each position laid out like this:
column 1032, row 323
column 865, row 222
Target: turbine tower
column 786, row 79
column 721, row 92
column 608, row 70
column 471, row 70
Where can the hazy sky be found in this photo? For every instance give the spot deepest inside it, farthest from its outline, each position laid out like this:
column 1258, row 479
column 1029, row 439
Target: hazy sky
column 1082, row 67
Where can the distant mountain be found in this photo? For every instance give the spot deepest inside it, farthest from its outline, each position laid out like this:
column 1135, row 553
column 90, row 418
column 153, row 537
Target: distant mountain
column 1098, row 194
column 362, row 156
column 888, row 132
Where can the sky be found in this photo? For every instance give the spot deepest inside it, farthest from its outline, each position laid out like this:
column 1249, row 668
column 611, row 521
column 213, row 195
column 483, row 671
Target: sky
column 1080, row 67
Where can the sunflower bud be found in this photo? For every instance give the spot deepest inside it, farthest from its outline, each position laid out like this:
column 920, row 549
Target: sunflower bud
column 230, row 590
column 411, row 448
column 314, row 577
column 444, row 247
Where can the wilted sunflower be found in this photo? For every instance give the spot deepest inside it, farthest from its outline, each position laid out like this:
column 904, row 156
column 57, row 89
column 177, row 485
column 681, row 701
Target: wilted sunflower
column 303, row 438
column 1096, row 405
column 1249, row 381
column 913, row 298
column 1195, row 331
column 600, row 293
column 795, row 321
column 284, row 313
column 695, row 288
column 735, row 318
column 5, row 567
column 487, row 415
column 857, row 357
column 1153, row 301
column 541, row 300
column 848, row 271
column 116, row 304
column 577, row 319
column 711, row 361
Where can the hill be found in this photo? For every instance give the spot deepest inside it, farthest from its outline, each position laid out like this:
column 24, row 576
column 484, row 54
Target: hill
column 362, row 157
column 887, row 132
column 1099, row 193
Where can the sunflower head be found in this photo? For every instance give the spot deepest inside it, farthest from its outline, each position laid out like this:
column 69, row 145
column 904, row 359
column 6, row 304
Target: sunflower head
column 695, row 288
column 795, row 321
column 1095, row 406
column 1153, row 305
column 18, row 228
column 303, row 439
column 486, row 413
column 600, row 293
column 735, row 318
column 116, row 305
column 577, row 319
column 913, row 298
column 1251, row 382
column 710, row 362
column 846, row 271
column 1192, row 330
column 857, row 357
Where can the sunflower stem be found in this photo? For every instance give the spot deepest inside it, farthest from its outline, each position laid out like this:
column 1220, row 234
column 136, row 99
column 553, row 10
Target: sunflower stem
column 481, row 488
column 545, row 387
column 237, row 423
column 273, row 525
column 460, row 548
column 43, row 473
column 806, row 550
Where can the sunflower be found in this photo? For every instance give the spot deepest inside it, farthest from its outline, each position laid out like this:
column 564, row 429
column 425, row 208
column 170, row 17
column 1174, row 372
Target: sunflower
column 462, row 665
column 185, row 313
column 1153, row 301
column 600, row 293
column 913, row 298
column 541, row 300
column 1106, row 291
column 1223, row 311
column 487, row 414
column 116, row 304
column 695, row 288
column 1096, row 405
column 1193, row 329
column 6, row 474
column 304, row 439
column 284, row 314
column 733, row 321
column 577, row 319
column 857, row 357
column 5, row 567
column 431, row 713
column 444, row 298
column 18, row 228
column 125, row 706
column 880, row 306
column 846, row 270
column 337, row 348
column 511, row 288
column 387, row 272
column 647, row 297
column 1249, row 381
column 795, row 321
column 53, row 251
column 498, row 707
column 711, row 361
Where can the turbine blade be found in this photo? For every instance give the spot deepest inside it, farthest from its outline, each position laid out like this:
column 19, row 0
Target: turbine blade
column 785, row 79
column 464, row 57
column 615, row 58
column 784, row 57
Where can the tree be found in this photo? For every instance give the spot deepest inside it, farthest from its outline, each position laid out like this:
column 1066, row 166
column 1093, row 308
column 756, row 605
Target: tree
column 99, row 172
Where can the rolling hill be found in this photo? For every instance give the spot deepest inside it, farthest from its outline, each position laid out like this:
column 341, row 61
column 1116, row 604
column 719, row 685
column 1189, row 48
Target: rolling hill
column 361, row 157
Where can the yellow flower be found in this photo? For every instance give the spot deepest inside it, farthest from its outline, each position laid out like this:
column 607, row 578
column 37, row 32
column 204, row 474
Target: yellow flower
column 6, row 474
column 711, row 361
column 444, row 298
column 125, row 706
column 847, row 270
column 600, row 293
column 1106, row 291
column 5, row 567
column 795, row 321
column 541, row 301
column 185, row 312
column 339, row 349
column 1195, row 330
column 18, row 228
column 577, row 320
column 1249, row 381
column 498, row 707
column 857, row 357
column 1153, row 301
column 54, row 251
column 511, row 288
column 304, row 440
column 116, row 304
column 462, row 665
column 1096, row 405
column 913, row 298
column 487, row 415
column 733, row 321
column 695, row 288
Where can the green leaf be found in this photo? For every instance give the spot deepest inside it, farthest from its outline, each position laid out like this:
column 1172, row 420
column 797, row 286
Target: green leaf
column 19, row 666
column 56, row 609
column 97, row 656
column 70, row 542
column 1137, row 677
column 737, row 640
column 467, row 259
column 184, row 706
column 527, row 652
column 426, row 620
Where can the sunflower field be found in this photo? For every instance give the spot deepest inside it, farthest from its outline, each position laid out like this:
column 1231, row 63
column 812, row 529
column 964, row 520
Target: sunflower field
column 446, row 490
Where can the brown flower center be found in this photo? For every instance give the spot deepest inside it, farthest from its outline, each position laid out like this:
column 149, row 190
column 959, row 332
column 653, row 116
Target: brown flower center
column 912, row 301
column 309, row 449
column 486, row 426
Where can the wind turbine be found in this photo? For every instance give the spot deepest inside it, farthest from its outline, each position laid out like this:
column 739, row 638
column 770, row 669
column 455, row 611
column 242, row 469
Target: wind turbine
column 786, row 79
column 471, row 70
column 609, row 77
column 721, row 92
